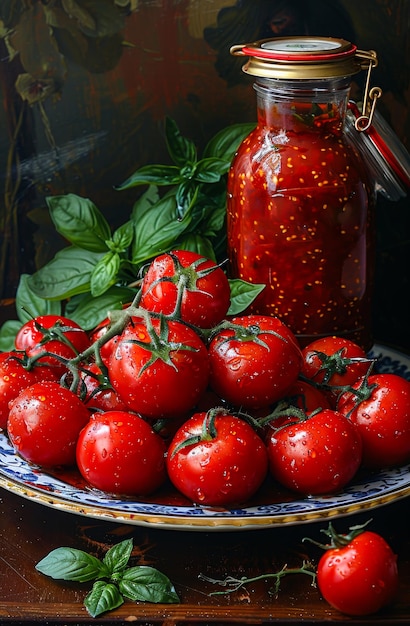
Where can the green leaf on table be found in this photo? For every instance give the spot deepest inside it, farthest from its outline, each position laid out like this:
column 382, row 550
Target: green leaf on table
column 79, row 221
column 66, row 275
column 242, row 295
column 147, row 584
column 72, row 564
column 117, row 557
column 103, row 597
column 140, row 583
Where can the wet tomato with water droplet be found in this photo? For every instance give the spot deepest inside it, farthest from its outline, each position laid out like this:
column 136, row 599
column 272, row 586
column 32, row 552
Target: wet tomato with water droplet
column 361, row 577
column 217, row 464
column 254, row 360
column 334, row 362
column 119, row 452
column 159, row 368
column 192, row 286
column 381, row 414
column 57, row 335
column 317, row 455
column 44, row 422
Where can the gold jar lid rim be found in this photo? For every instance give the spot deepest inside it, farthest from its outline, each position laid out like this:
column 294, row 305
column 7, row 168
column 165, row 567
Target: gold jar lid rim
column 300, row 49
column 300, row 57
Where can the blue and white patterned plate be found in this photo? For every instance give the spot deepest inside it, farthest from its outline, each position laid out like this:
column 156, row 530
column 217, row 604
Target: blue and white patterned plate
column 70, row 495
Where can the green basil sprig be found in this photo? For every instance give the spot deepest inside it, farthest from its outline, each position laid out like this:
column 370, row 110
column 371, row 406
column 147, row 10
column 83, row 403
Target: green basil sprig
column 184, row 206
column 113, row 579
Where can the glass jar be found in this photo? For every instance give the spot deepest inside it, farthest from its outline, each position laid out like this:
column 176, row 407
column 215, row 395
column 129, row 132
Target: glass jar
column 300, row 203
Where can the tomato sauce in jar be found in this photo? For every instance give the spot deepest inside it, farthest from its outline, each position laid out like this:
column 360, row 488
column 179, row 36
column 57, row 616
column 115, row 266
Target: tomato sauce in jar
column 301, row 211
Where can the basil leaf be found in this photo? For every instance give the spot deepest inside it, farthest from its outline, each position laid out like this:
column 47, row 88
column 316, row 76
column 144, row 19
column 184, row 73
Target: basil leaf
column 71, row 564
column 88, row 311
column 211, row 169
column 181, row 149
column 104, row 274
column 79, row 221
column 29, row 305
column 147, row 584
column 117, row 557
column 153, row 175
column 225, row 143
column 156, row 226
column 102, row 597
column 242, row 295
column 69, row 273
column 185, row 197
column 197, row 243
column 8, row 333
column 122, row 238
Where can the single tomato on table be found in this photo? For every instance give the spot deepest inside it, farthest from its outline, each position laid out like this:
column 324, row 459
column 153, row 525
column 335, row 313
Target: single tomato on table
column 217, row 459
column 254, row 360
column 357, row 574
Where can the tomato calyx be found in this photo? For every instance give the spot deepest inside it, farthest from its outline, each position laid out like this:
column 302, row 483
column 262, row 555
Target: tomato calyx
column 56, row 332
column 284, row 410
column 338, row 540
column 362, row 392
column 336, row 363
column 244, row 333
column 208, row 432
column 159, row 345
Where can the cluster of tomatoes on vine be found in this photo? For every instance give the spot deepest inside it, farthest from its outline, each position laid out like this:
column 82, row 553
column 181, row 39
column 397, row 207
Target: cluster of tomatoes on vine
column 171, row 389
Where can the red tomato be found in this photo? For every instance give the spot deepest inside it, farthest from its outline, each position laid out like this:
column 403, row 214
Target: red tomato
column 381, row 413
column 187, row 280
column 217, row 459
column 334, row 362
column 107, row 347
column 305, row 396
column 119, row 452
column 254, row 361
column 317, row 455
column 14, row 377
column 100, row 394
column 360, row 576
column 160, row 371
column 55, row 334
column 44, row 423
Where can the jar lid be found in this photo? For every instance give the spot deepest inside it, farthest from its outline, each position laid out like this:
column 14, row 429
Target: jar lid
column 386, row 157
column 300, row 58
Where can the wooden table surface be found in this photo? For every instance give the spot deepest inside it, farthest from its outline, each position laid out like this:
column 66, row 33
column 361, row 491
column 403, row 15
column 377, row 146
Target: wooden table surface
column 30, row 530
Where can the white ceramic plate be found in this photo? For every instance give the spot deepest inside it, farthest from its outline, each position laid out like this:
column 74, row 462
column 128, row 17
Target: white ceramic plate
column 169, row 511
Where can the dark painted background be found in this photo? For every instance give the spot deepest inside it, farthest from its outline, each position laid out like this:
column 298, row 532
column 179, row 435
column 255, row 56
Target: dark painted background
column 86, row 84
